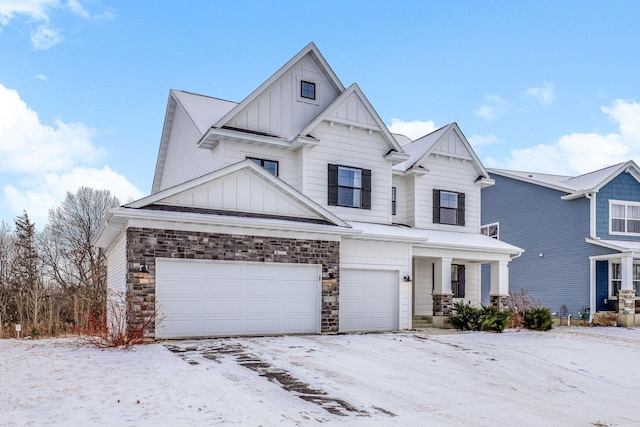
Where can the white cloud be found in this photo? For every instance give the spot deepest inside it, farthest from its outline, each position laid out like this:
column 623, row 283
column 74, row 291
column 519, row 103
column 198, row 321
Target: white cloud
column 77, row 9
column 41, row 77
column 28, row 146
column 483, row 140
column 492, row 108
column 45, row 37
column 578, row 153
column 44, row 162
column 414, row 129
column 544, row 94
column 37, row 10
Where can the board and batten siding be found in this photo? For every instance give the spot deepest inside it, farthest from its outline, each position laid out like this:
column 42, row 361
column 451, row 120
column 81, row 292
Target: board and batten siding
column 280, row 110
column 234, row 152
column 624, row 187
column 352, row 148
column 449, row 175
column 555, row 267
column 116, row 265
column 378, row 255
column 184, row 160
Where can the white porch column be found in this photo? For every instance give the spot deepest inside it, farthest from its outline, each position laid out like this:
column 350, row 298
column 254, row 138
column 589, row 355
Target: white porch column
column 442, row 295
column 627, row 272
column 442, row 276
column 499, row 284
column 500, row 278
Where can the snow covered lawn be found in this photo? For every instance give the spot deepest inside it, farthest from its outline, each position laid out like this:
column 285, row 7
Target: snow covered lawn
column 566, row 377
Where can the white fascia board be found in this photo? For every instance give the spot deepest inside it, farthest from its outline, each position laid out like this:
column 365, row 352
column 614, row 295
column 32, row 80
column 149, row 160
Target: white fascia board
column 169, row 115
column 108, row 230
column 485, row 182
column 397, row 157
column 608, row 245
column 209, row 139
column 511, row 251
column 361, row 235
column 231, row 221
column 506, row 174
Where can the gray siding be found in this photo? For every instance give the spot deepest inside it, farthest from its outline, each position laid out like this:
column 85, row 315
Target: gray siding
column 537, row 219
column 623, row 187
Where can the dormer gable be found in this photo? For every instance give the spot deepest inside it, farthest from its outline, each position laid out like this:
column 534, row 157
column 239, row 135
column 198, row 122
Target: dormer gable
column 243, row 187
column 353, row 109
column 448, row 142
column 279, row 107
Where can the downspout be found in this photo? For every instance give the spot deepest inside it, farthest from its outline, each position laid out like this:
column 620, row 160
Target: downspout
column 592, row 264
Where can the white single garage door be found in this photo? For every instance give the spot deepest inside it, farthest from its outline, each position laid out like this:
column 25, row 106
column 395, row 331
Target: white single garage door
column 368, row 300
column 197, row 298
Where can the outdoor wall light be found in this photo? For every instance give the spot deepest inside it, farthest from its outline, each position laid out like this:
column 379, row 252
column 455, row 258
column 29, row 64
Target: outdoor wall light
column 143, row 268
column 332, row 276
column 407, row 278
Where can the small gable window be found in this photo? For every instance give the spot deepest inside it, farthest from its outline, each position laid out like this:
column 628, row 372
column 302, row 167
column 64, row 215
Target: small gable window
column 349, row 187
column 307, row 90
column 491, row 230
column 448, row 207
column 270, row 165
column 624, row 217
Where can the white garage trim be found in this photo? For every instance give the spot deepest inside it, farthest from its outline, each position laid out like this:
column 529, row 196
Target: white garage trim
column 203, row 298
column 369, row 300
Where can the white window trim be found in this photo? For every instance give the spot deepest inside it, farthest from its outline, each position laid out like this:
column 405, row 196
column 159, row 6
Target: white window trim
column 486, row 226
column 625, row 203
column 301, row 98
column 610, row 283
column 610, row 279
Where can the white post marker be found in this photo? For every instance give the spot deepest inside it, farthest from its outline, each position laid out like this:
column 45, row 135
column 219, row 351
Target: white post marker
column 18, row 329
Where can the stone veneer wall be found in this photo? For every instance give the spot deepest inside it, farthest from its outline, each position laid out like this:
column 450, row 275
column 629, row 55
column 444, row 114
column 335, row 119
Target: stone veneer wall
column 144, row 245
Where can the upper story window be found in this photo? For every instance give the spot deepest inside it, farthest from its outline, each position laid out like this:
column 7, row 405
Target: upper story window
column 393, row 200
column 350, row 187
column 307, row 90
column 624, row 217
column 491, row 230
column 270, row 165
column 448, row 207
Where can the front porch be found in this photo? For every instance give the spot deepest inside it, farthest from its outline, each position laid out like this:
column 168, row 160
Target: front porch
column 615, row 286
column 440, row 281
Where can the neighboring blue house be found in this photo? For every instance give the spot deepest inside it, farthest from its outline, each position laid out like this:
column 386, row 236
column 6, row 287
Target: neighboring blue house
column 581, row 237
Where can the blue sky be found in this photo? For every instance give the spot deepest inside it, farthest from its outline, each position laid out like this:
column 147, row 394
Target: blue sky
column 542, row 86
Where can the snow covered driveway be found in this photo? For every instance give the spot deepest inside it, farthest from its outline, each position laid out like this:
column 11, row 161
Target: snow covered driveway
column 566, row 377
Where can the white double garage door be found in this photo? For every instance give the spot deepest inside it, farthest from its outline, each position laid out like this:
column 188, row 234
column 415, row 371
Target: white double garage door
column 224, row 298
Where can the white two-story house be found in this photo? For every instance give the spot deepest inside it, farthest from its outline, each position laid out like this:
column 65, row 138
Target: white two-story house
column 297, row 211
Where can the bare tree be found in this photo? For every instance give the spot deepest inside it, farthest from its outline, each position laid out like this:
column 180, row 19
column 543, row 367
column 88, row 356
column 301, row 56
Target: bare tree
column 6, row 260
column 72, row 262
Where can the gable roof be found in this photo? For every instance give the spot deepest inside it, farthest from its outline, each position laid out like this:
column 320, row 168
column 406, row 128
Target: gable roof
column 201, row 110
column 311, row 49
column 353, row 90
column 577, row 186
column 256, row 170
column 420, row 149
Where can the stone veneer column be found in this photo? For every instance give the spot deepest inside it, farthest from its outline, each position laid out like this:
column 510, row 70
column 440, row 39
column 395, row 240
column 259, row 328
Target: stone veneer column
column 499, row 301
column 626, row 307
column 442, row 304
column 144, row 245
